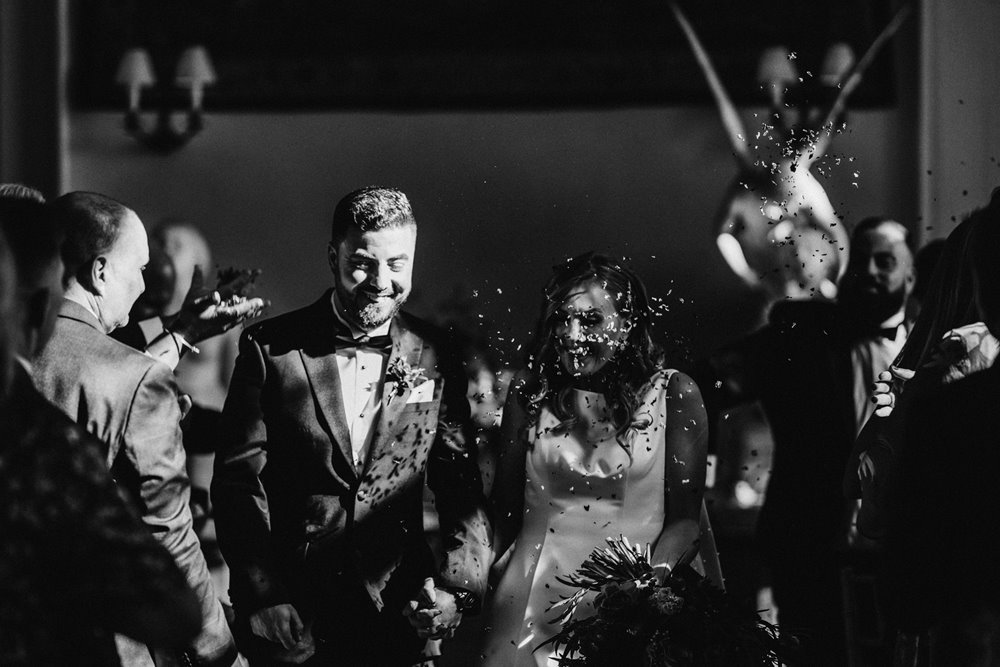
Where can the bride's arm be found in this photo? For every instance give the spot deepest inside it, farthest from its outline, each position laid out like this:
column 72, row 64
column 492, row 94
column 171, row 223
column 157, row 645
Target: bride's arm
column 507, row 495
column 686, row 441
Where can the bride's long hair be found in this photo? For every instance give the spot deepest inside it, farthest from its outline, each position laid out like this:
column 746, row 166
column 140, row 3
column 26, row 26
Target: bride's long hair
column 625, row 374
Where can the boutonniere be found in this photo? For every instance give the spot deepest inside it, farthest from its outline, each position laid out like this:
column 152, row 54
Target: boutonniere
column 405, row 376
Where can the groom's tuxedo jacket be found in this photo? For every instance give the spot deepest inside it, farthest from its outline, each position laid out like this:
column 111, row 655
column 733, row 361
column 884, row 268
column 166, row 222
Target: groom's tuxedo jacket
column 297, row 521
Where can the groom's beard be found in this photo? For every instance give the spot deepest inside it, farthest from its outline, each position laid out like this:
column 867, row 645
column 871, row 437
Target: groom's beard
column 371, row 309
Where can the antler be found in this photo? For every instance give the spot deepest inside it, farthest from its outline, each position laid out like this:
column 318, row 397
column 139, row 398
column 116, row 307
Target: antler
column 727, row 111
column 851, row 80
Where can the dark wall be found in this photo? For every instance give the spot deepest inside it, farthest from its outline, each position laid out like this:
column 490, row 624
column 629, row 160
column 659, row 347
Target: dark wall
column 499, row 196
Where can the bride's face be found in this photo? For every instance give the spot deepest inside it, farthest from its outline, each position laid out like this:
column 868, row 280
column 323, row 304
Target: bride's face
column 588, row 330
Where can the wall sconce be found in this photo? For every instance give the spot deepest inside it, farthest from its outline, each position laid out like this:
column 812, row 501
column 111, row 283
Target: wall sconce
column 194, row 72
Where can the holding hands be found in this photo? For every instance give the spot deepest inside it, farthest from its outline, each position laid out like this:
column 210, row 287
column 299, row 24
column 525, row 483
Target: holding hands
column 281, row 624
column 433, row 613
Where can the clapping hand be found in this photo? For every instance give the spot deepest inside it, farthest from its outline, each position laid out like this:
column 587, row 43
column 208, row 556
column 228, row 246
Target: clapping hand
column 433, row 613
column 207, row 313
column 887, row 387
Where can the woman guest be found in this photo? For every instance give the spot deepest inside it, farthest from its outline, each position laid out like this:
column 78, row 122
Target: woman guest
column 598, row 440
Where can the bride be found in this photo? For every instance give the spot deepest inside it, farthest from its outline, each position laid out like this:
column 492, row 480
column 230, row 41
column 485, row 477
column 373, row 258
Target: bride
column 599, row 440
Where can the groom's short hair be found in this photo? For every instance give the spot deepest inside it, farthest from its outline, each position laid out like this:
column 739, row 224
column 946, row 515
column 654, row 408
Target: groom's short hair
column 370, row 209
column 93, row 223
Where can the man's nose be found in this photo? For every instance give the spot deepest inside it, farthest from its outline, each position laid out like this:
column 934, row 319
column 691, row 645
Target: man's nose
column 381, row 278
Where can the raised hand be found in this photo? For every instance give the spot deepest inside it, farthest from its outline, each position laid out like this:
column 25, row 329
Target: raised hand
column 207, row 313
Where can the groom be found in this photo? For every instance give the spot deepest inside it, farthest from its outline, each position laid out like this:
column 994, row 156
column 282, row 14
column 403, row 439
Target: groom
column 336, row 414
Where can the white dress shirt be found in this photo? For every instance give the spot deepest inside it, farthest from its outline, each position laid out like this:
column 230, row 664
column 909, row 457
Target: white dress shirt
column 869, row 357
column 362, row 376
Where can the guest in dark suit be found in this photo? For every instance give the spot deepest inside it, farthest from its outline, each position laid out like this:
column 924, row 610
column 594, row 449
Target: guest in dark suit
column 126, row 399
column 335, row 415
column 811, row 367
column 76, row 563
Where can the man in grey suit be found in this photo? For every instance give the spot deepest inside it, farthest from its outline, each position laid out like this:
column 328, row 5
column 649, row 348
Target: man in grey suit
column 336, row 414
column 125, row 398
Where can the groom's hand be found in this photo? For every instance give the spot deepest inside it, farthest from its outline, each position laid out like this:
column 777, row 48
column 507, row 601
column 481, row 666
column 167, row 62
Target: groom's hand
column 280, row 624
column 433, row 613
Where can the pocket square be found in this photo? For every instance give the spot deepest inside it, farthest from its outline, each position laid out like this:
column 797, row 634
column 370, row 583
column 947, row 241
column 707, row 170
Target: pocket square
column 422, row 393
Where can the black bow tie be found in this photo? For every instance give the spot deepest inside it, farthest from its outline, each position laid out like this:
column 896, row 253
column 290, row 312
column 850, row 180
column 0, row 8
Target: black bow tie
column 376, row 343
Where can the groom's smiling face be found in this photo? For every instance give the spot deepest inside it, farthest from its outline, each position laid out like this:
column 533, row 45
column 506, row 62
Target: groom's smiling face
column 374, row 273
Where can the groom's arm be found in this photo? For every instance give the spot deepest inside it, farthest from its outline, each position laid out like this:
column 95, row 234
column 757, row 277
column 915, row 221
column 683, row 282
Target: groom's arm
column 453, row 475
column 242, row 515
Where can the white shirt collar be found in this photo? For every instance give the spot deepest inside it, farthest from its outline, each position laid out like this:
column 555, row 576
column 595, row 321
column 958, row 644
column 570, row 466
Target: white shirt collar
column 893, row 321
column 381, row 330
column 25, row 364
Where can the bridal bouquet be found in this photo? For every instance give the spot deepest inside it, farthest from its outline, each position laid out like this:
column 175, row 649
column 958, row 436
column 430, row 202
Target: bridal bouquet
column 686, row 620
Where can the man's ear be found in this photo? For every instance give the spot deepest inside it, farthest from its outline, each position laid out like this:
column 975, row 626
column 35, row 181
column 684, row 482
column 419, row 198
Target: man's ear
column 99, row 275
column 331, row 257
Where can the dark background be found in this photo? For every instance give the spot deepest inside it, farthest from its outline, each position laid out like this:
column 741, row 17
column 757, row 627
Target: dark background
column 302, row 54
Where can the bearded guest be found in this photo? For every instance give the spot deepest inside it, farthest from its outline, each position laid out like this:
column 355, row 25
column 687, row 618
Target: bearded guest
column 812, row 367
column 335, row 416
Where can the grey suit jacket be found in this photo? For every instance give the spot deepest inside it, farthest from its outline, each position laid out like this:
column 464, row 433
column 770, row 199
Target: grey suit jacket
column 129, row 402
column 296, row 519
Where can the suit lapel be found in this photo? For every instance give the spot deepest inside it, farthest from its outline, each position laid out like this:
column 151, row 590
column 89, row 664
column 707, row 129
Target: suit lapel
column 406, row 347
column 320, row 361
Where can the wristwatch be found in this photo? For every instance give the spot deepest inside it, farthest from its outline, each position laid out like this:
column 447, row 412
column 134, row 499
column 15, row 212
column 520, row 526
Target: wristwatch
column 466, row 602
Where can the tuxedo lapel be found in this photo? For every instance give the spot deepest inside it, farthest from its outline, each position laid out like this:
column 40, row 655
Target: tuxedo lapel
column 320, row 361
column 407, row 348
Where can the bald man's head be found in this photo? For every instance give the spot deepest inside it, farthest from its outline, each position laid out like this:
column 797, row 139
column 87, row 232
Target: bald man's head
column 880, row 274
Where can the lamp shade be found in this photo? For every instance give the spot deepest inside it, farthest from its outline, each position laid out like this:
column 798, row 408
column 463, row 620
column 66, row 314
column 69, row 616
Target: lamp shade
column 135, row 69
column 194, row 69
column 837, row 62
column 775, row 66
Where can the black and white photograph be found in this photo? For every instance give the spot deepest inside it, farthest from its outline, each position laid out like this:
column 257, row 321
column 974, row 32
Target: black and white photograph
column 375, row 333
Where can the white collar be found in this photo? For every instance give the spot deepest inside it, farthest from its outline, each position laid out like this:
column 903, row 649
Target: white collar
column 25, row 364
column 893, row 321
column 381, row 330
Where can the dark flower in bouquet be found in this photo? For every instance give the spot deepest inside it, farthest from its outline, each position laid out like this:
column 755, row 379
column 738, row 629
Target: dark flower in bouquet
column 683, row 620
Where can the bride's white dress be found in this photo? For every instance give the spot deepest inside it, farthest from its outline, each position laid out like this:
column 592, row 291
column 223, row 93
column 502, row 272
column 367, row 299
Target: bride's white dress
column 581, row 488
